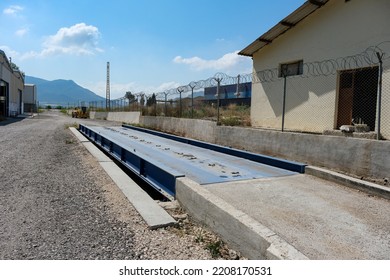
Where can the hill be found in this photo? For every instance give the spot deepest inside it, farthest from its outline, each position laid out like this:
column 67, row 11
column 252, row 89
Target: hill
column 61, row 92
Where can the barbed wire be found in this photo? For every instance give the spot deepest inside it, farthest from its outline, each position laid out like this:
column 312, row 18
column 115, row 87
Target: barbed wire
column 369, row 57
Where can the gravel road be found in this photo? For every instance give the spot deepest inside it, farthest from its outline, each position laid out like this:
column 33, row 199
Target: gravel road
column 57, row 203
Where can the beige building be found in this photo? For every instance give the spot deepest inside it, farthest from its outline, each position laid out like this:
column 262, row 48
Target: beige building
column 318, row 68
column 11, row 88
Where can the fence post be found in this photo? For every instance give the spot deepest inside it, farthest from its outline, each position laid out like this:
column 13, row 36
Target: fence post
column 192, row 86
column 238, row 86
column 218, row 80
column 284, row 100
column 180, row 90
column 379, row 101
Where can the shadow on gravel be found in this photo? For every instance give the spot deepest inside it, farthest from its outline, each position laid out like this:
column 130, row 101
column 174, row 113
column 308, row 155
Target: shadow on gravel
column 10, row 121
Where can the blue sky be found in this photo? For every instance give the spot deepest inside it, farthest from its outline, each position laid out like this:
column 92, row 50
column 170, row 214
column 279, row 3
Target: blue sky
column 152, row 45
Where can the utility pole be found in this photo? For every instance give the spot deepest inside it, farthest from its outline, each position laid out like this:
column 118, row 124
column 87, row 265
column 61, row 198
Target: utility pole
column 108, row 88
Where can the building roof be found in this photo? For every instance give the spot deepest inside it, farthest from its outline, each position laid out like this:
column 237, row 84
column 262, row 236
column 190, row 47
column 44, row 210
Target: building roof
column 11, row 66
column 6, row 61
column 283, row 26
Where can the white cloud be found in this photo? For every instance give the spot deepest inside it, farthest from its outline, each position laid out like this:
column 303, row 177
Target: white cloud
column 166, row 86
column 21, row 32
column 79, row 39
column 13, row 10
column 20, row 56
column 9, row 52
column 225, row 63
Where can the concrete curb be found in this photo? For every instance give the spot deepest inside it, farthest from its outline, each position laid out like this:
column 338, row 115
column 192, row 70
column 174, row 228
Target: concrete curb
column 348, row 181
column 78, row 135
column 153, row 214
column 239, row 230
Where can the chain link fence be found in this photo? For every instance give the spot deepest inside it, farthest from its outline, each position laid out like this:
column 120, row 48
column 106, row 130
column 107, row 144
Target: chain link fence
column 221, row 98
column 335, row 95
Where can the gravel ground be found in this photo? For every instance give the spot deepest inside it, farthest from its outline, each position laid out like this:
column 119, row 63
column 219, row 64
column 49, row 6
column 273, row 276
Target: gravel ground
column 57, row 203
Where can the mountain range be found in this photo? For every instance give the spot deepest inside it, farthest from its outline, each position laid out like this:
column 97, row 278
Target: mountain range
column 61, row 92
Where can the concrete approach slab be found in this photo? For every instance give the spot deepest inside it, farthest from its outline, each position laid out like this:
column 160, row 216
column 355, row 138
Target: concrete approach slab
column 297, row 216
column 320, row 219
column 153, row 214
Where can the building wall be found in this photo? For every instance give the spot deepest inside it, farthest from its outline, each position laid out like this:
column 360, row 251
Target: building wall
column 5, row 77
column 14, row 86
column 385, row 113
column 16, row 94
column 339, row 29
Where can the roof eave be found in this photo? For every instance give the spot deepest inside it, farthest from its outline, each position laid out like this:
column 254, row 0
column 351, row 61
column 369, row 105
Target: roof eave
column 283, row 26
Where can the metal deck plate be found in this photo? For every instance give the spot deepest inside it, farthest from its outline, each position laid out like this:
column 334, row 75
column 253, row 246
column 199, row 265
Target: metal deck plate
column 201, row 165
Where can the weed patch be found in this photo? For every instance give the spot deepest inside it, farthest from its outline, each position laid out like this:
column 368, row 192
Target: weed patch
column 75, row 124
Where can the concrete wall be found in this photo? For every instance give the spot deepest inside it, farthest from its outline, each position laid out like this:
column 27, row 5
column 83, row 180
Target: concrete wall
column 339, row 29
column 362, row 157
column 197, row 129
column 127, row 117
column 30, row 94
column 98, row 115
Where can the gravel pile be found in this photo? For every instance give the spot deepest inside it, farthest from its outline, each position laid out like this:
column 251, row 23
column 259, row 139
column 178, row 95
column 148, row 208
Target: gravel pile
column 57, row 203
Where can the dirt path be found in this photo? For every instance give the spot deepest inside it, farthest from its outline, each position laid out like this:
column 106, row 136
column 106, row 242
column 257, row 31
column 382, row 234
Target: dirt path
column 57, row 203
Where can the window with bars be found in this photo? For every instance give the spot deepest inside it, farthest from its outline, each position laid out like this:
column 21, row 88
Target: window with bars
column 291, row 68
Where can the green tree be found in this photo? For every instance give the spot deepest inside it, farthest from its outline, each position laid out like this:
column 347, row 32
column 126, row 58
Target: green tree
column 151, row 100
column 130, row 96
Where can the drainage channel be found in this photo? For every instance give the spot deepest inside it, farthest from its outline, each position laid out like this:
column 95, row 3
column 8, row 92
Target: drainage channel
column 159, row 159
